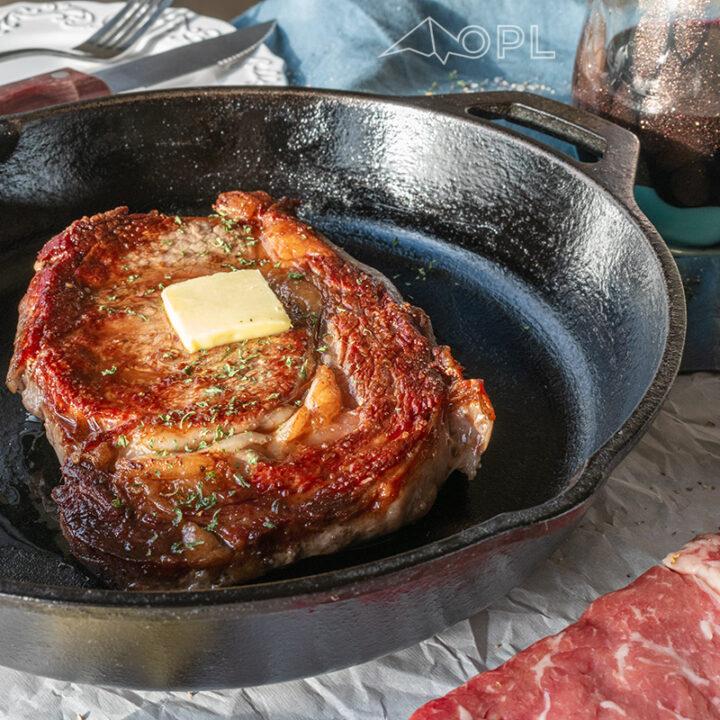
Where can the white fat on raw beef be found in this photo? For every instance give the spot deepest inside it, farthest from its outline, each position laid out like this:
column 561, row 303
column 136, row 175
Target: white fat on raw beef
column 650, row 651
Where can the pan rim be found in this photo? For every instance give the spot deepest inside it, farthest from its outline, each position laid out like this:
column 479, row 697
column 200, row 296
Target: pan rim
column 354, row 579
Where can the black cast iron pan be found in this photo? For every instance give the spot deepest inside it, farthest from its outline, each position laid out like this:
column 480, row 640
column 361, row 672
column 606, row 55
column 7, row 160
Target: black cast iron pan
column 537, row 269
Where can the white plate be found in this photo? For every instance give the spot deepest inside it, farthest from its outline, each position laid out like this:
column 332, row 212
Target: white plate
column 66, row 24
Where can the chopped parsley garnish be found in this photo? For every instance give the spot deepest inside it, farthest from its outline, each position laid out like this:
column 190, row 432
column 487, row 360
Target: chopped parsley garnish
column 180, row 547
column 213, row 523
column 186, row 416
column 122, row 441
column 269, row 525
column 110, row 371
column 117, row 502
column 241, row 481
column 200, row 501
column 178, row 516
column 296, row 275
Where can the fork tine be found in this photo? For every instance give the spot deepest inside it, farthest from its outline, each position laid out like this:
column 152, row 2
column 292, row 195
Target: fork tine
column 137, row 13
column 112, row 23
column 142, row 22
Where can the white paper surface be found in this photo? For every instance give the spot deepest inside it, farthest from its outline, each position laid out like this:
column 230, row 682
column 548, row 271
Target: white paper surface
column 663, row 494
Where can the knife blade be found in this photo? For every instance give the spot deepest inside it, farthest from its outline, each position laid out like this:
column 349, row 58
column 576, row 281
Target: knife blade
column 68, row 85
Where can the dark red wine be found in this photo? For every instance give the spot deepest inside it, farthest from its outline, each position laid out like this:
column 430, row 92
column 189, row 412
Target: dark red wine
column 662, row 81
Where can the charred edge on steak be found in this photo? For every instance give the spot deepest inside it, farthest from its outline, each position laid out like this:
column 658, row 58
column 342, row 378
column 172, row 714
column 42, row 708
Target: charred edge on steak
column 206, row 469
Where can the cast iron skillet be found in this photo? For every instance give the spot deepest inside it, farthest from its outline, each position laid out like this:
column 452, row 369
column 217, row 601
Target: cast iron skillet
column 537, row 269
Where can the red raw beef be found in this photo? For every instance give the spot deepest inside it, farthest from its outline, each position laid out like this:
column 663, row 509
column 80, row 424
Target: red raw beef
column 650, row 651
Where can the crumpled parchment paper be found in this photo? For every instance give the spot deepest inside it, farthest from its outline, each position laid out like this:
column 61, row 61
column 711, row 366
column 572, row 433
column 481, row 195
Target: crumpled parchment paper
column 662, row 494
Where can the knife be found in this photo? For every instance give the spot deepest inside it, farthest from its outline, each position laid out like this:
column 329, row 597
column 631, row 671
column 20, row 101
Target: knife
column 68, row 85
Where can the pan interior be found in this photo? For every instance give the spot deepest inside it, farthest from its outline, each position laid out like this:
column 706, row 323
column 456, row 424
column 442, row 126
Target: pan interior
column 559, row 305
column 498, row 330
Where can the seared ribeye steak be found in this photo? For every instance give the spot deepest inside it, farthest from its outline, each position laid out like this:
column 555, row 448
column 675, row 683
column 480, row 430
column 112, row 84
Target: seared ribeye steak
column 210, row 468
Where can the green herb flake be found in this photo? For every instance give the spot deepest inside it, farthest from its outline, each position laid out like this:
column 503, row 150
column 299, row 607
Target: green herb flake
column 213, row 523
column 191, row 545
column 269, row 525
column 117, row 502
column 241, row 481
column 122, row 441
column 178, row 516
column 296, row 275
column 109, row 371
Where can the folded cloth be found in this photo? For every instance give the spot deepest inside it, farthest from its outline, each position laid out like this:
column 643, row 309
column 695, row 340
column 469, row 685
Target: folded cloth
column 418, row 46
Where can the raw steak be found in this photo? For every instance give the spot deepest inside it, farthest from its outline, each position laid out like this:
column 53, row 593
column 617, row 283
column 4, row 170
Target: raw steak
column 650, row 651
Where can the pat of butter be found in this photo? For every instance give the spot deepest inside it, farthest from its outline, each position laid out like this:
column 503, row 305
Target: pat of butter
column 223, row 308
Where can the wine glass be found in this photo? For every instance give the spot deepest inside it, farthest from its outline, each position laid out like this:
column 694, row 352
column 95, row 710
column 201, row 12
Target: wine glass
column 653, row 66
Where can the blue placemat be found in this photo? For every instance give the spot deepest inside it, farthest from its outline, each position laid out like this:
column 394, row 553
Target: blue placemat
column 418, row 46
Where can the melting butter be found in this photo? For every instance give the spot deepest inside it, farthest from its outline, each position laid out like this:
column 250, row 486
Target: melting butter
column 222, row 308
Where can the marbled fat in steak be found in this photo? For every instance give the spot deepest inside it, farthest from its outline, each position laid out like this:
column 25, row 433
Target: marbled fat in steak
column 650, row 651
column 204, row 469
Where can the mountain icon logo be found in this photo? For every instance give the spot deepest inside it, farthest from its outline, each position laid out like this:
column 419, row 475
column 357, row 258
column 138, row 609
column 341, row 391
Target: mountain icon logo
column 430, row 39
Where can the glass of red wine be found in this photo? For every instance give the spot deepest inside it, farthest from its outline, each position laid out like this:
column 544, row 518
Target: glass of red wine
column 653, row 66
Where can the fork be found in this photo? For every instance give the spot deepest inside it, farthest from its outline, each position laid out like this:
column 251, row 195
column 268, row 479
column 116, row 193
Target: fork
column 116, row 36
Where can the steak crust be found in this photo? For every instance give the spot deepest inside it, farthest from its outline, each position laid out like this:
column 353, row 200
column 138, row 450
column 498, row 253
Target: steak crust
column 188, row 470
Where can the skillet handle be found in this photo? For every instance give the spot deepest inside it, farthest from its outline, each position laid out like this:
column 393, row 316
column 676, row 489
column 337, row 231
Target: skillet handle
column 617, row 149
